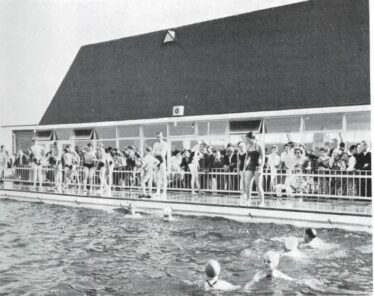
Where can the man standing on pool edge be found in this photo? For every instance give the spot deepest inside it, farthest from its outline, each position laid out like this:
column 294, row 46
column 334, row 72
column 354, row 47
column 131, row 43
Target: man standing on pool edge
column 160, row 151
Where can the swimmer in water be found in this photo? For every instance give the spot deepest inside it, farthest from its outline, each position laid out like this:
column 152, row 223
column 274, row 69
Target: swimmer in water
column 309, row 235
column 168, row 215
column 212, row 281
column 313, row 241
column 271, row 261
column 131, row 212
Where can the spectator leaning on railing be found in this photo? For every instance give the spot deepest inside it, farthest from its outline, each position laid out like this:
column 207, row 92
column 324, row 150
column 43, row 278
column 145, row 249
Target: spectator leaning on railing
column 3, row 161
column 364, row 164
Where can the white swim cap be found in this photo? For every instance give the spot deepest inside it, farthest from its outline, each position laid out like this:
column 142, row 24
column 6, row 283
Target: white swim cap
column 291, row 243
column 212, row 268
column 273, row 257
column 168, row 212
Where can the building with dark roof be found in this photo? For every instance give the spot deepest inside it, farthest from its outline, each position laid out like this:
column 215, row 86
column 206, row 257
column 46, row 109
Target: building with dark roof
column 298, row 72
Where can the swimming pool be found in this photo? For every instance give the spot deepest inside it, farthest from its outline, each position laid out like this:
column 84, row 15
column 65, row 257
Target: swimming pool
column 57, row 250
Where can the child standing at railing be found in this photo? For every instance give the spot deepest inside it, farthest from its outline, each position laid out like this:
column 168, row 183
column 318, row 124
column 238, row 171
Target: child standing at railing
column 148, row 169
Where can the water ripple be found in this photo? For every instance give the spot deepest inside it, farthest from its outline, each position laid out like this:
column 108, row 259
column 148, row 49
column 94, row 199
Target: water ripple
column 56, row 250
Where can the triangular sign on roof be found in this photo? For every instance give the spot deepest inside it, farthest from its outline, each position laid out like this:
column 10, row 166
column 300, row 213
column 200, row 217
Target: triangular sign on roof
column 170, row 36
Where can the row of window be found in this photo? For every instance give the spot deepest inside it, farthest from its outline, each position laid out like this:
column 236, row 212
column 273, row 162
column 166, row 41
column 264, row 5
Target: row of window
column 287, row 125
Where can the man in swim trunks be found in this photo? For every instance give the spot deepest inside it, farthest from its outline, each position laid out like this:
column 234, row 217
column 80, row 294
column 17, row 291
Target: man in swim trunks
column 89, row 167
column 71, row 159
column 160, row 151
column 271, row 261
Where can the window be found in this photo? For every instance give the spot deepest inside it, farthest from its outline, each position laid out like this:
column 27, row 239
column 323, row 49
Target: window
column 45, row 136
column 217, row 127
column 245, row 126
column 282, row 125
column 149, row 142
column 123, row 144
column 202, row 128
column 109, row 143
column 358, row 121
column 106, row 132
column 279, row 131
column 322, row 128
column 84, row 134
column 182, row 129
column 151, row 130
column 358, row 127
column 82, row 144
column 323, row 122
column 63, row 134
column 177, row 145
column 129, row 131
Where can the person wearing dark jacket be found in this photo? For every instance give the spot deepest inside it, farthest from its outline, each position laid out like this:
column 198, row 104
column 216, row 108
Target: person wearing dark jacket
column 364, row 164
column 184, row 166
column 230, row 163
column 208, row 165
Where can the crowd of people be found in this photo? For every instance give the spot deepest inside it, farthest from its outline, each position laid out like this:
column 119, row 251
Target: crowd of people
column 202, row 166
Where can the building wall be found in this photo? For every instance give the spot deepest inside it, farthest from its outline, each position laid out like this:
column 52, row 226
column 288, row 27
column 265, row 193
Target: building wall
column 6, row 138
column 313, row 130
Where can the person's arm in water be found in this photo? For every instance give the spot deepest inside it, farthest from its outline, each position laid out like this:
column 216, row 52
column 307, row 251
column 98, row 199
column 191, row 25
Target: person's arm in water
column 256, row 278
column 183, row 280
column 281, row 275
column 226, row 286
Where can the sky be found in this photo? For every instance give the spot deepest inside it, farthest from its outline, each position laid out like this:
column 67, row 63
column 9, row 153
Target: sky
column 40, row 38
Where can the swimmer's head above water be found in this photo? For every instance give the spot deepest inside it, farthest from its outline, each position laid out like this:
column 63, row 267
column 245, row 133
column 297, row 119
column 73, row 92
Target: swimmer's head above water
column 271, row 260
column 212, row 269
column 131, row 209
column 309, row 235
column 168, row 212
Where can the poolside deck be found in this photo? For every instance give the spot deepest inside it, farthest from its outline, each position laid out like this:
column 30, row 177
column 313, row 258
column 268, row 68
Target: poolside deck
column 306, row 204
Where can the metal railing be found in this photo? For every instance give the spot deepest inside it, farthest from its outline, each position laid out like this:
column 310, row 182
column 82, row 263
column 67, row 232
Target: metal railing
column 332, row 184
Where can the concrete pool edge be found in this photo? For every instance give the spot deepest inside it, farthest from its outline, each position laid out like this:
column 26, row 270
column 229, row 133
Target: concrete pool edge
column 294, row 217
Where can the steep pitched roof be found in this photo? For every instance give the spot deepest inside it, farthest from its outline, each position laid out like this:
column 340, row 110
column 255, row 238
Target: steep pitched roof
column 310, row 54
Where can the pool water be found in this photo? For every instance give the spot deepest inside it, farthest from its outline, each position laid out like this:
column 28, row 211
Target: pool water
column 56, row 250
